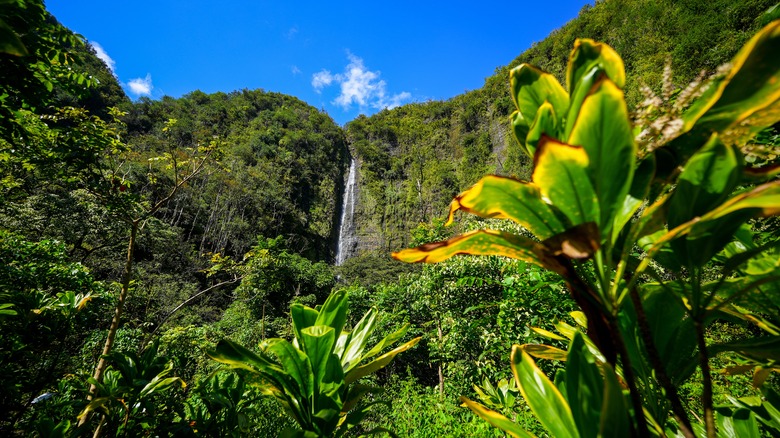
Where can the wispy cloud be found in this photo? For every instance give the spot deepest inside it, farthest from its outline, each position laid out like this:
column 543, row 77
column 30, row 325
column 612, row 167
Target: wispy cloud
column 321, row 80
column 141, row 86
column 290, row 34
column 359, row 86
column 101, row 53
column 295, row 70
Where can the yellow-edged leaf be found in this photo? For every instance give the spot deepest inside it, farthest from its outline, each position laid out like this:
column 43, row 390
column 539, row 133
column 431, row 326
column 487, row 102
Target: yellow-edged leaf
column 483, row 242
column 603, row 129
column 541, row 351
column 544, row 398
column 508, row 198
column 560, row 172
column 496, row 419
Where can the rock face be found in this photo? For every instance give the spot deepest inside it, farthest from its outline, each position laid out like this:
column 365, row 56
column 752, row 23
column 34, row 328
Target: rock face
column 347, row 243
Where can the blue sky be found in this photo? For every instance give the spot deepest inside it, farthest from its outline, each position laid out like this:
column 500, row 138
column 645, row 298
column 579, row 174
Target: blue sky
column 347, row 57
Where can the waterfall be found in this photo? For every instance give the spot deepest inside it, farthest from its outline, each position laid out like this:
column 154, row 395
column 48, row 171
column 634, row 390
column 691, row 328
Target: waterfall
column 345, row 246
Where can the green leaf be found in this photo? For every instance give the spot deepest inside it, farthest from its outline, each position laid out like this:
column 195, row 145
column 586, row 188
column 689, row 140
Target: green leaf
column 752, row 84
column 637, row 193
column 520, row 129
column 378, row 363
column 295, row 364
column 10, row 42
column 317, row 342
column 584, row 387
column 496, row 420
column 736, row 423
column 545, row 123
column 561, row 175
column 743, row 102
column 615, row 420
column 356, row 341
column 483, row 242
column 603, row 130
column 541, row 351
column 545, row 400
column 767, row 347
column 508, row 198
column 589, row 62
column 531, row 88
column 708, row 179
column 334, row 311
column 302, row 317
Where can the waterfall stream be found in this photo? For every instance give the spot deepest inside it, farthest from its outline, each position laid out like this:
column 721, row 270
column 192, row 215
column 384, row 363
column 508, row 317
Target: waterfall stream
column 347, row 239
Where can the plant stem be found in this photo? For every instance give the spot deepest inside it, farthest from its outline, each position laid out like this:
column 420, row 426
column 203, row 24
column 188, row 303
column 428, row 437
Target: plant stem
column 706, row 394
column 660, row 370
column 126, row 275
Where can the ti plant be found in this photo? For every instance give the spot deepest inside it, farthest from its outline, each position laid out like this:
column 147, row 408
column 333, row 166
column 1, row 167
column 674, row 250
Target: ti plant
column 654, row 245
column 315, row 377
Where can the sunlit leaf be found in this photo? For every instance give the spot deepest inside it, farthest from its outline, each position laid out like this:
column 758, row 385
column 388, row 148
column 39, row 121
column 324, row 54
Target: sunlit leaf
column 483, row 242
column 508, row 198
column 560, row 172
column 531, row 87
column 496, row 419
column 603, row 130
column 545, row 400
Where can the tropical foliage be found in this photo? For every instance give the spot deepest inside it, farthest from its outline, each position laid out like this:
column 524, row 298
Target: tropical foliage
column 595, row 197
column 140, row 235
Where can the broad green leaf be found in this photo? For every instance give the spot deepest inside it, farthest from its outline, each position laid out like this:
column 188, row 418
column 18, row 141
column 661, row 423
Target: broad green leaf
column 302, row 317
column 603, row 130
column 317, row 342
column 589, row 62
column 378, row 363
column 736, row 423
column 671, row 329
column 560, row 172
column 588, row 53
column 752, row 84
column 357, row 339
column 584, row 387
column 496, row 419
column 764, row 348
column 545, row 400
column 483, row 242
column 545, row 123
column 763, row 200
column 508, row 198
column 295, row 364
column 708, row 179
column 531, row 87
column 356, row 393
column 745, row 99
column 541, row 351
column 333, row 312
column 385, row 342
column 615, row 420
column 520, row 129
column 637, row 193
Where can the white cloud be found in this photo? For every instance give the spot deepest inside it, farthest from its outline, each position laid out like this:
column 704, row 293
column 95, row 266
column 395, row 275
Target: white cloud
column 359, row 86
column 295, row 70
column 101, row 53
column 141, row 86
column 290, row 34
column 321, row 80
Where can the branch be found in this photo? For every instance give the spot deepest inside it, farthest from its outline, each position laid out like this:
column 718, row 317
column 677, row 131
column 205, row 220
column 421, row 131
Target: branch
column 186, row 302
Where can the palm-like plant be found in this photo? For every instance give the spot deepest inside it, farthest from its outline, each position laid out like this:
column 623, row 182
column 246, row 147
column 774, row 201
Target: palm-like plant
column 315, row 376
